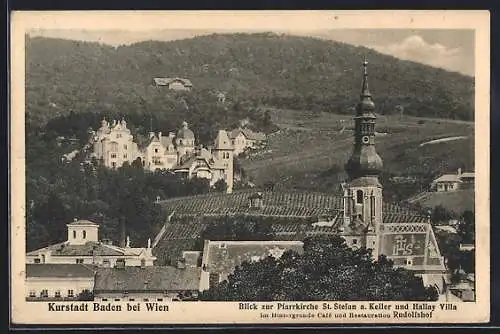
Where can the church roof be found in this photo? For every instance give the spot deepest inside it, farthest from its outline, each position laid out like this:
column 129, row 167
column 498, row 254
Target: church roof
column 147, row 279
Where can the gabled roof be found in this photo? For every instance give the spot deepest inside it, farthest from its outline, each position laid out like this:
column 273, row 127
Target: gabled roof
column 222, row 141
column 249, row 134
column 146, row 279
column 59, row 270
column 167, row 81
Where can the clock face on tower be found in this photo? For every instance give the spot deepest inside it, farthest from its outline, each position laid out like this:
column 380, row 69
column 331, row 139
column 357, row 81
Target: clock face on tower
column 365, row 139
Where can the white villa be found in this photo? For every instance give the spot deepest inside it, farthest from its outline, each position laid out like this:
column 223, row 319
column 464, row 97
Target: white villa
column 113, row 145
column 84, row 247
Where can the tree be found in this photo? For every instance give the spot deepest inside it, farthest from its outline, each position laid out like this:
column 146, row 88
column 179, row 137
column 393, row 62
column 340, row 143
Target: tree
column 440, row 214
column 326, row 270
column 466, row 227
column 86, row 295
column 220, row 186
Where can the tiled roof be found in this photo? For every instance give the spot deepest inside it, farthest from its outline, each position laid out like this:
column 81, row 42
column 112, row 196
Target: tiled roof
column 155, row 278
column 224, row 256
column 89, row 249
column 59, row 270
column 283, row 204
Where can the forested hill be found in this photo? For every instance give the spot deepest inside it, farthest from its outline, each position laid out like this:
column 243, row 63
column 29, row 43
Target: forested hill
column 268, row 69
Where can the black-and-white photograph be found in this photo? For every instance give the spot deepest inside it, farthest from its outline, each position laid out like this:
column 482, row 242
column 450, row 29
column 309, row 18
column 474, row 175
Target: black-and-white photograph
column 251, row 165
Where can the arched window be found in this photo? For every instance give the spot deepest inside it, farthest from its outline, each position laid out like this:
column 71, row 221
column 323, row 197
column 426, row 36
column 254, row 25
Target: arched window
column 74, row 234
column 359, row 196
column 84, row 234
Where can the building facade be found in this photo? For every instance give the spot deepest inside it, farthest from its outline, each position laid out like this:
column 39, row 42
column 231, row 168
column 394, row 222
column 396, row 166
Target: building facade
column 84, row 247
column 146, row 284
column 113, row 145
column 46, row 282
column 453, row 182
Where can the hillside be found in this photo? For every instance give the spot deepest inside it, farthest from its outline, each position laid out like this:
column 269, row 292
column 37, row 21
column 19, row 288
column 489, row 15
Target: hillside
column 310, row 150
column 282, row 71
column 455, row 201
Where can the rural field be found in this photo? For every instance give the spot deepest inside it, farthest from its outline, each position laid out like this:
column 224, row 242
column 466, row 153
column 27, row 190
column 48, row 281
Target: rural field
column 312, row 147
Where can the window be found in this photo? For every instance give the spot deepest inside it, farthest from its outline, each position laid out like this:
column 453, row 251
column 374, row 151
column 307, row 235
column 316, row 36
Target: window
column 74, row 234
column 409, row 262
column 57, row 294
column 124, row 156
column 37, row 260
column 114, row 147
column 354, row 241
column 79, row 261
column 159, row 299
column 117, row 299
column 143, row 262
column 71, row 293
column 131, row 300
column 84, row 234
column 32, row 293
column 156, row 150
column 118, row 135
column 104, row 299
column 113, row 155
column 146, row 299
column 105, row 263
column 359, row 196
column 124, row 147
column 113, row 164
column 44, row 293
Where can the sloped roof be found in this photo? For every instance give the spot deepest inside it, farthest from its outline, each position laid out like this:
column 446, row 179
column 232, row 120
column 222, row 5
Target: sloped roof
column 224, row 256
column 248, row 133
column 448, row 178
column 167, row 81
column 154, row 278
column 286, row 204
column 222, row 141
column 83, row 222
column 468, row 175
column 59, row 270
column 88, row 249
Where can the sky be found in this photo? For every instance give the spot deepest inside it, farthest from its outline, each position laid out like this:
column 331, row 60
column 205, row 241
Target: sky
column 444, row 48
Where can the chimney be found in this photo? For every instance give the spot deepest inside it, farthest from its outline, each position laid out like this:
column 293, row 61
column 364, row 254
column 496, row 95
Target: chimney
column 159, row 135
column 151, row 134
column 459, row 171
column 171, row 134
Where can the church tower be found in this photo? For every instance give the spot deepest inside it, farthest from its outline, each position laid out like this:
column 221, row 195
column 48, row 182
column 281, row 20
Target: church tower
column 363, row 193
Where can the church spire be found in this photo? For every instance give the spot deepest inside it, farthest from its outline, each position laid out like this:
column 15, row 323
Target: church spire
column 364, row 161
column 365, row 92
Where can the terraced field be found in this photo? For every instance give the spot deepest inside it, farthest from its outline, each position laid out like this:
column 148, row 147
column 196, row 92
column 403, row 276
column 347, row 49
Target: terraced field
column 310, row 143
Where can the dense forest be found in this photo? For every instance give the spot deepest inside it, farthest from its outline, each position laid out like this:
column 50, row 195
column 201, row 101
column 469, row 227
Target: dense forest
column 261, row 69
